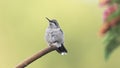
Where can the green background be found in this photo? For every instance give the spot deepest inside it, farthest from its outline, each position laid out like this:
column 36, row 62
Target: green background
column 23, row 24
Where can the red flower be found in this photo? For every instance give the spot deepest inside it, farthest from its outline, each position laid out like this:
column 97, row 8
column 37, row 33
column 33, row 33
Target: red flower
column 105, row 27
column 115, row 21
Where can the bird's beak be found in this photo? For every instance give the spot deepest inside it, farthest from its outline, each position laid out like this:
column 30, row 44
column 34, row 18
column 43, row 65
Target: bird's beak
column 48, row 19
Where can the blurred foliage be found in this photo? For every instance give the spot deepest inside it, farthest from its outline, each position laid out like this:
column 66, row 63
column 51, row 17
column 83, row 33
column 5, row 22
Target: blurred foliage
column 112, row 40
column 23, row 24
column 111, row 32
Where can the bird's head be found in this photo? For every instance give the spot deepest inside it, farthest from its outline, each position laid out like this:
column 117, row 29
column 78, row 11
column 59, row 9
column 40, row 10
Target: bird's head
column 53, row 23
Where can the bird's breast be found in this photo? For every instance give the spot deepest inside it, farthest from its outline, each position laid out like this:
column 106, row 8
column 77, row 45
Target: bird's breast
column 53, row 35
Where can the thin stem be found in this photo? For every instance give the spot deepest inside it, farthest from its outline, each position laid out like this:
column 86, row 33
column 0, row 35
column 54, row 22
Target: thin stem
column 34, row 57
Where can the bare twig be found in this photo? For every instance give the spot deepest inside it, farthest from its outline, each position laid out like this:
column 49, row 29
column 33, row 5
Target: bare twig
column 34, row 57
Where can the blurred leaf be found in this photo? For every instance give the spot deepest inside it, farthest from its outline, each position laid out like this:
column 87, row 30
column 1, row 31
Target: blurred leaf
column 112, row 40
column 115, row 1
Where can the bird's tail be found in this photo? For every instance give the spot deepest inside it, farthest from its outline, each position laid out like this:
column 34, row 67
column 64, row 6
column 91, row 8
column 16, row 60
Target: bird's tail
column 62, row 50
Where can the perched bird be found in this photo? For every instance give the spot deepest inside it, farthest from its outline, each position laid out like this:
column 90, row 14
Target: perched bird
column 54, row 36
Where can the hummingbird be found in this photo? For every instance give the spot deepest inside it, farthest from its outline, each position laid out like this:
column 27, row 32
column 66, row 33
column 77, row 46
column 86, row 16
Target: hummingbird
column 54, row 36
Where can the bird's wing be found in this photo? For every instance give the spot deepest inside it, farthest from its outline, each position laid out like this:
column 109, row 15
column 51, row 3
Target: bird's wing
column 58, row 35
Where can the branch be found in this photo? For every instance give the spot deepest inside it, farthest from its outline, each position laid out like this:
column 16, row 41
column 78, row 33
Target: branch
column 34, row 57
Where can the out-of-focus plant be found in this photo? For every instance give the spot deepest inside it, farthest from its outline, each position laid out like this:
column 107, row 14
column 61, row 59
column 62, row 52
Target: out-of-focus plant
column 110, row 28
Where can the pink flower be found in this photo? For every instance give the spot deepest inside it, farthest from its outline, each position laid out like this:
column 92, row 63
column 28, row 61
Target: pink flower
column 109, row 11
